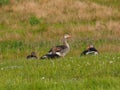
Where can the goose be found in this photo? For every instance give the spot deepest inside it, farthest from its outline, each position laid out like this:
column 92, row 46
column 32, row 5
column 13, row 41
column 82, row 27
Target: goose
column 90, row 51
column 32, row 56
column 58, row 51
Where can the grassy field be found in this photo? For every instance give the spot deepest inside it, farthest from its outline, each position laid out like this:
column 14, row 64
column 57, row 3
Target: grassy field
column 71, row 73
column 37, row 25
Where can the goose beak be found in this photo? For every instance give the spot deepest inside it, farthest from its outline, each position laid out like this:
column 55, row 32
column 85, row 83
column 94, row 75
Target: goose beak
column 69, row 36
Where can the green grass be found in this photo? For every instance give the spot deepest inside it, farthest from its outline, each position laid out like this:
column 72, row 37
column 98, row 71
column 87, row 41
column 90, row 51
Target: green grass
column 4, row 2
column 71, row 73
column 22, row 32
column 110, row 3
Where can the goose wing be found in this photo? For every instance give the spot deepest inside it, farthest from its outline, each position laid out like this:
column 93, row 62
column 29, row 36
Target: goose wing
column 57, row 48
column 93, row 49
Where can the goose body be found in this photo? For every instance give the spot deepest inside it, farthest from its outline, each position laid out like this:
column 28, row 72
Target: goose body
column 32, row 56
column 90, row 51
column 58, row 51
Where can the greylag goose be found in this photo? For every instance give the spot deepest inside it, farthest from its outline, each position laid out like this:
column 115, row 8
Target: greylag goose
column 32, row 56
column 58, row 51
column 90, row 51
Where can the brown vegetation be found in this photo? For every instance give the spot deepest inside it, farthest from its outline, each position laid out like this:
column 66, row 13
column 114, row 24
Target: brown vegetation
column 80, row 18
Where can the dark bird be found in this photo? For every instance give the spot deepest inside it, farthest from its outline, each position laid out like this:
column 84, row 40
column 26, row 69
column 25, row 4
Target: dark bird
column 58, row 51
column 90, row 51
column 32, row 56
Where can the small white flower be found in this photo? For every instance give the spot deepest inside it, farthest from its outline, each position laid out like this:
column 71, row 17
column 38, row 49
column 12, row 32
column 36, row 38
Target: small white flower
column 42, row 78
column 111, row 62
column 2, row 68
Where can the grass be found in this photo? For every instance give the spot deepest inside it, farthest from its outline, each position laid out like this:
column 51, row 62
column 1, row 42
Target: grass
column 4, row 2
column 111, row 3
column 41, row 26
column 70, row 73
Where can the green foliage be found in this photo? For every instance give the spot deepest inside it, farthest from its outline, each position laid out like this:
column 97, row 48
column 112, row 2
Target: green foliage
column 40, row 23
column 3, row 2
column 34, row 20
column 11, row 44
column 42, row 27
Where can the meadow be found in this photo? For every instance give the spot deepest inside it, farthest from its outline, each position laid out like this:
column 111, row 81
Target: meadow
column 37, row 25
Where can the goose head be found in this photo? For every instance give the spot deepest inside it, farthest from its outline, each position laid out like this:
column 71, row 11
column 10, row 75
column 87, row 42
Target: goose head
column 66, row 36
column 91, row 46
column 33, row 53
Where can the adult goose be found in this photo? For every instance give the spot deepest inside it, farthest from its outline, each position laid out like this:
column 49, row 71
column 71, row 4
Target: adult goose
column 58, row 51
column 90, row 51
column 32, row 56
